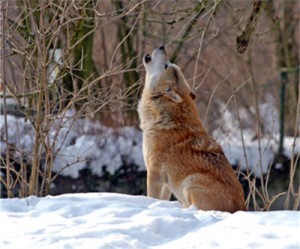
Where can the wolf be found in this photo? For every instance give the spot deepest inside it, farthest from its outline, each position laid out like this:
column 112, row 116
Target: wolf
column 181, row 158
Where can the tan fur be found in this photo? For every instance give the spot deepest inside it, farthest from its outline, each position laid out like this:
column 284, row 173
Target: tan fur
column 181, row 158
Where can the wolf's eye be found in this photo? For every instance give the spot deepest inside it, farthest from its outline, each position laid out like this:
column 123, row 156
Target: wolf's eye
column 166, row 66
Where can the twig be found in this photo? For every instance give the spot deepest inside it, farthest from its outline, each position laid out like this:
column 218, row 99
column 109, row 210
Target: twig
column 244, row 39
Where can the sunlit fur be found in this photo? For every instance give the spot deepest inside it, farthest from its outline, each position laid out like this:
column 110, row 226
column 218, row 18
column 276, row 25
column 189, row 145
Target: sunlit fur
column 181, row 158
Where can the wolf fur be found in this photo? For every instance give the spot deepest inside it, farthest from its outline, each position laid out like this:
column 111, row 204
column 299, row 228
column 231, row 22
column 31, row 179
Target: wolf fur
column 181, row 158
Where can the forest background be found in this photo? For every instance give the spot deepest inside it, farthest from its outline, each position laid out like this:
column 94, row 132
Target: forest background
column 67, row 64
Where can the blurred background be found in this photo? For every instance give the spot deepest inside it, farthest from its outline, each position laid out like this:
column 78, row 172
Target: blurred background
column 72, row 75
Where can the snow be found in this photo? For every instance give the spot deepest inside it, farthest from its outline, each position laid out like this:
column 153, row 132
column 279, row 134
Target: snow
column 253, row 155
column 79, row 143
column 108, row 220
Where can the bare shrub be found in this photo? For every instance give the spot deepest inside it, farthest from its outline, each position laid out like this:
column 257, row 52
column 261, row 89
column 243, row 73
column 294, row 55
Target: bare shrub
column 86, row 56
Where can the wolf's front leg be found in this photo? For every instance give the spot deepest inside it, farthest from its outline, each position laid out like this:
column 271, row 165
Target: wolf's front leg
column 155, row 184
column 165, row 193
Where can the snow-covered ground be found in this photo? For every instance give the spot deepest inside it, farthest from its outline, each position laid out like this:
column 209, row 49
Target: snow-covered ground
column 106, row 220
column 80, row 144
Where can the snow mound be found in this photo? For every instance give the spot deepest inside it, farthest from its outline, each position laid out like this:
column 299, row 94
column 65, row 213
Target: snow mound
column 107, row 220
column 79, row 144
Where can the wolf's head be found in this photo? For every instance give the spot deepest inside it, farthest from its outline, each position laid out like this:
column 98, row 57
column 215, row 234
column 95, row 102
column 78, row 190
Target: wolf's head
column 164, row 79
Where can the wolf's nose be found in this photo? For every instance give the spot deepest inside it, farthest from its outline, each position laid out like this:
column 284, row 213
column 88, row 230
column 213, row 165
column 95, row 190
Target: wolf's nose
column 147, row 58
column 162, row 47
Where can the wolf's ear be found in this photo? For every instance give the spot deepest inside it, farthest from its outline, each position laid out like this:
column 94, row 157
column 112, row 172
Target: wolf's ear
column 172, row 95
column 193, row 96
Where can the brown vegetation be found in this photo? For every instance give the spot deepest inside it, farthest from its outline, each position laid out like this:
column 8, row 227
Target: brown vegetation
column 94, row 51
